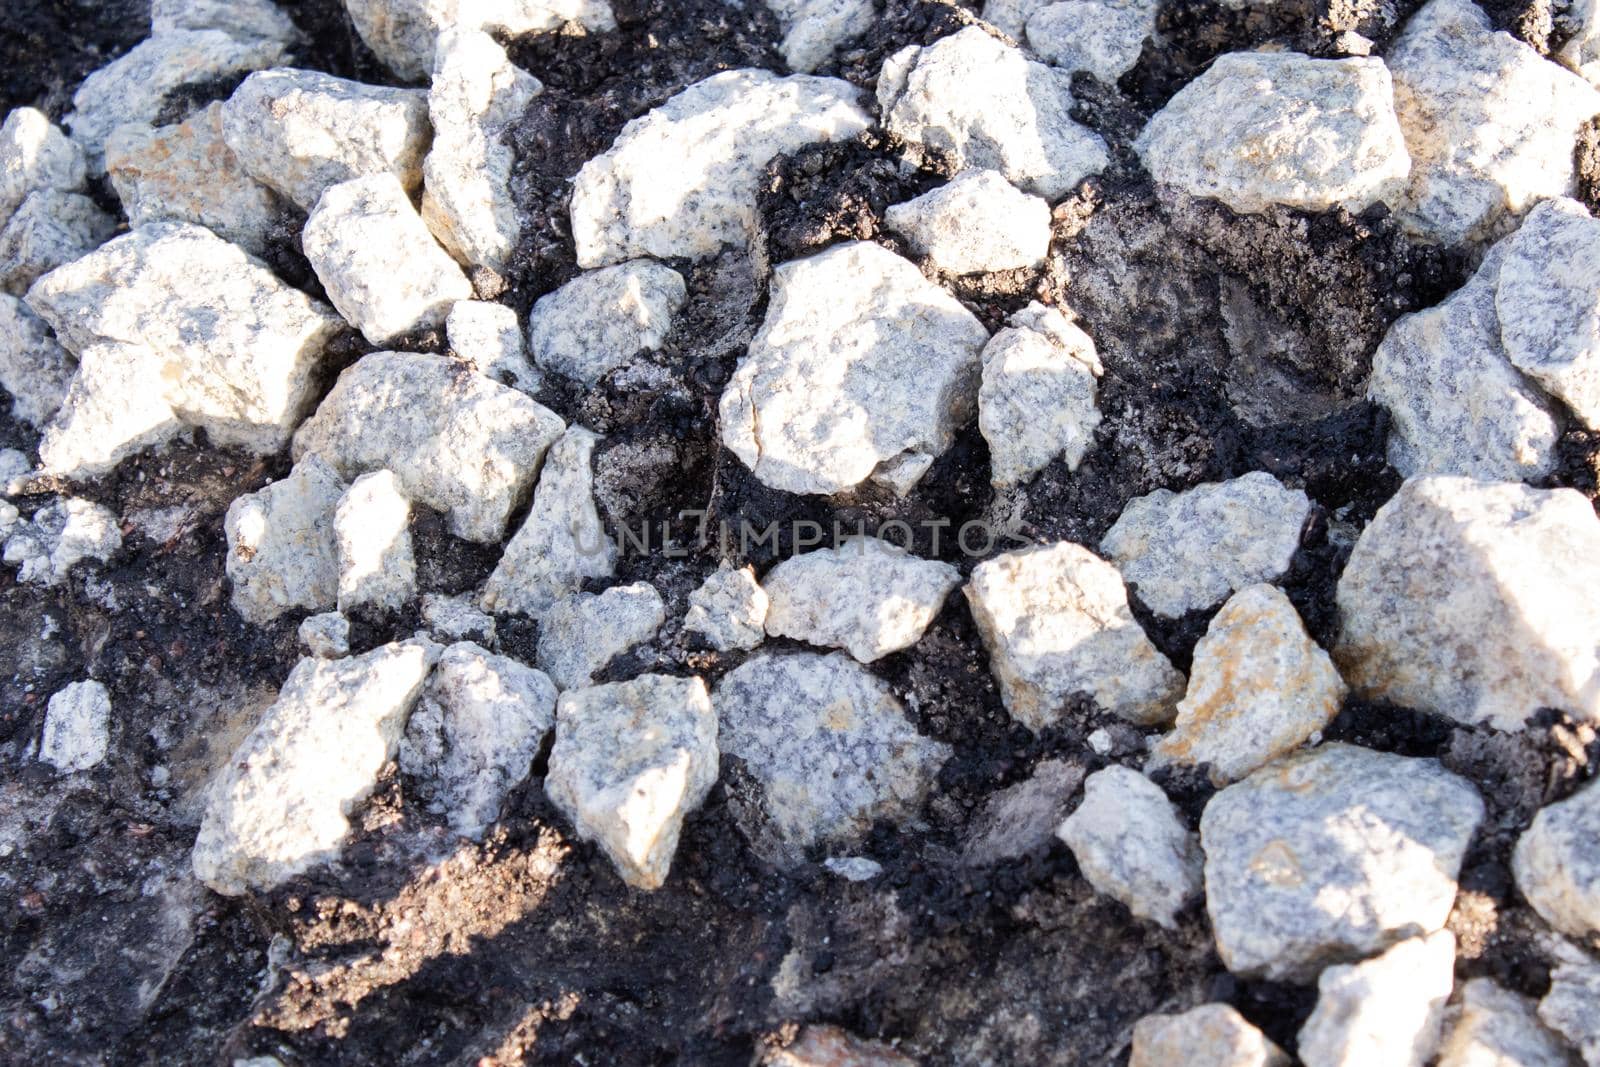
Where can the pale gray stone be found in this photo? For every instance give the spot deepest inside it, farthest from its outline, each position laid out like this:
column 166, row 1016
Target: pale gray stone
column 457, row 618
column 602, row 319
column 1103, row 37
column 372, row 525
column 77, row 727
column 1568, row 1008
column 1581, row 52
column 325, row 635
column 1011, row 17
column 35, row 155
column 583, row 632
column 243, row 19
column 1037, row 400
column 60, row 535
column 113, row 408
column 49, row 229
column 977, row 222
column 1332, row 854
column 1023, row 817
column 283, row 552
column 33, row 368
column 405, row 34
column 1556, row 867
column 1497, row 1028
column 814, row 29
column 729, row 609
column 853, row 868
column 1212, row 1035
column 489, row 337
column 1387, row 1010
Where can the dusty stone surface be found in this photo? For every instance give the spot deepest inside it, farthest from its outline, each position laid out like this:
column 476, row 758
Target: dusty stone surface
column 242, row 19
column 371, row 526
column 457, row 618
column 49, row 229
column 1022, row 818
column 1128, row 840
column 829, row 1046
column 77, row 727
column 867, row 596
column 977, row 222
column 729, row 609
column 1189, row 550
column 34, row 369
column 1497, row 625
column 829, row 743
column 1581, row 52
column 1011, row 17
column 281, row 805
column 1259, row 688
column 325, row 635
column 1056, row 622
column 1568, row 1008
column 488, row 336
column 630, row 761
column 1102, row 37
column 35, row 155
column 1212, row 1035
column 1388, row 1009
column 602, row 319
column 458, row 442
column 859, row 361
column 59, row 536
column 983, row 104
column 718, row 134
column 283, row 545
column 584, row 632
column 1555, row 865
column 1332, row 854
column 1493, row 1026
column 815, row 29
column 406, row 34
column 1037, row 400
column 301, row 131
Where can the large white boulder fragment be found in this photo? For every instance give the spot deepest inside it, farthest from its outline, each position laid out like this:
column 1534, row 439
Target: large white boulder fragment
column 77, row 727
column 729, row 609
column 1471, row 600
column 860, row 361
column 33, row 368
column 1037, row 400
column 1212, row 1035
column 1556, row 867
column 59, row 535
column 629, row 762
column 458, row 442
column 1386, row 1010
column 35, row 155
column 584, row 632
column 977, row 222
column 113, row 408
column 1103, row 37
column 49, row 229
column 405, row 34
column 1331, row 855
column 488, row 336
column 602, row 319
column 814, row 29
column 283, row 553
column 372, row 527
column 1497, row 1028
column 681, row 180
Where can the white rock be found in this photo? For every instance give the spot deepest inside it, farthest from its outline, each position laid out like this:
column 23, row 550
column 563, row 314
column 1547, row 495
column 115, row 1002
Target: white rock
column 853, row 868
column 1189, row 550
column 729, row 609
column 681, row 180
column 1103, row 37
column 1330, row 855
column 602, row 319
column 476, row 94
column 1011, row 17
column 1131, row 845
column 456, row 618
column 49, row 229
column 1497, row 625
column 584, row 632
column 1556, row 867
column 975, row 102
column 404, row 34
column 1458, row 405
column 829, row 743
column 1568, row 1008
column 488, row 336
column 134, row 87
column 1386, row 1010
column 1581, row 52
column 562, row 542
column 35, row 155
column 187, row 173
column 867, row 596
column 459, row 443
column 241, row 18
column 1490, row 125
column 629, row 762
column 1023, row 817
column 1037, row 400
column 860, row 360
column 978, row 222
column 814, row 29
column 902, row 473
column 1264, row 128
column 186, row 329
column 1056, row 623
column 282, row 802
column 1212, row 1035
column 325, row 636
column 1259, row 688
column 283, row 552
column 474, row 734
column 301, row 131
column 58, row 536
column 1497, row 1028
column 33, row 368
column 77, row 727
column 381, row 267
column 372, row 525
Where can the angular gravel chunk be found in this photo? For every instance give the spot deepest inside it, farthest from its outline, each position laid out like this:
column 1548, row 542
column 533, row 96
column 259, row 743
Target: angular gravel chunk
column 1497, row 1028
column 978, row 103
column 1011, row 17
column 382, row 268
column 1472, row 600
column 49, row 229
column 1490, row 125
column 489, row 337
column 300, row 131
column 404, row 34
column 1103, row 37
column 283, row 552
column 1259, row 688
column 325, row 636
column 1056, row 622
column 187, row 173
column 978, row 222
column 241, row 18
column 372, row 524
column 113, row 408
column 1386, row 1010
column 281, row 804
column 1556, row 866
column 35, row 155
column 1581, row 52
column 458, row 442
column 829, row 743
column 630, row 761
column 456, row 618
column 1131, row 845
column 1037, row 400
column 1568, row 1008
column 584, row 632
column 860, row 360
column 600, row 320
column 474, row 734
column 1332, row 854
column 58, row 536
column 681, row 180
column 77, row 727
column 33, row 368
column 814, row 29
column 729, row 609
column 868, row 597
column 476, row 94
column 1212, row 1035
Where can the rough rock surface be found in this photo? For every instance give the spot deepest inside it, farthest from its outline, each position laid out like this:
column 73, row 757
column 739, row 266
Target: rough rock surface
column 867, row 596
column 33, row 368
column 474, row 734
column 859, row 361
column 1556, row 867
column 1494, row 1027
column 1102, row 37
column 1212, row 1035
column 584, row 632
column 1568, row 1008
column 1259, row 688
column 49, row 229
column 457, row 618
column 829, row 743
column 459, row 443
column 58, row 536
column 1127, row 838
column 1332, row 854
column 719, row 134
column 1037, row 400
column 602, row 319
column 973, row 101
column 1056, row 622
column 630, row 761
column 977, row 222
column 1496, row 624
column 325, row 635
column 815, row 29
column 77, row 727
column 1022, row 818
column 729, row 609
column 35, row 155
column 243, row 19
column 488, row 336
column 282, row 804
column 829, row 1046
column 371, row 525
column 405, row 34
column 1387, row 1010
column 283, row 550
